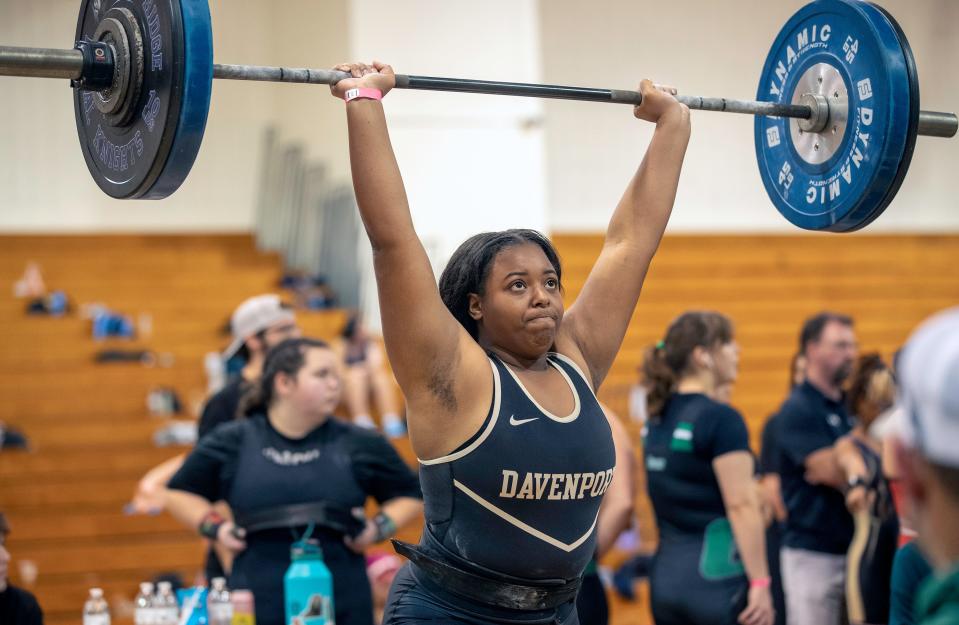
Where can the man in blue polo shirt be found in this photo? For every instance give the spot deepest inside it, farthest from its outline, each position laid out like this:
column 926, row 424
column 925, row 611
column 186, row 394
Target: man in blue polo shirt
column 815, row 488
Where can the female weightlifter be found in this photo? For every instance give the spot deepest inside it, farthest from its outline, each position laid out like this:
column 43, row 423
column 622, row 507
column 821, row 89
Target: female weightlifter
column 515, row 451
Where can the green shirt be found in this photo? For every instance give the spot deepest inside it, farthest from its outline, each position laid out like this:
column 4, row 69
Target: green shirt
column 938, row 602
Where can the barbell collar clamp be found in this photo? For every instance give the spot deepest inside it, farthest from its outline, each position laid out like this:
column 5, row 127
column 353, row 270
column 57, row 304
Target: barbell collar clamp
column 98, row 66
column 819, row 112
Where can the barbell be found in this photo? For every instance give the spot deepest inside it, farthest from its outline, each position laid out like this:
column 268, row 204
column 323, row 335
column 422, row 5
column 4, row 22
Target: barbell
column 837, row 109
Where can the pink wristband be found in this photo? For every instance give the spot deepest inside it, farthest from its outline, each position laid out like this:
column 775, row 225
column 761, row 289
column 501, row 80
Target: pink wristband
column 762, row 582
column 363, row 94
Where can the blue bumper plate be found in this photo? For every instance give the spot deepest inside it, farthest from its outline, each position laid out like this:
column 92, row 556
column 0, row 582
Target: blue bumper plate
column 861, row 49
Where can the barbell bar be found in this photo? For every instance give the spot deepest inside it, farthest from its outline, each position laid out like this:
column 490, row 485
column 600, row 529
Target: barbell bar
column 837, row 109
column 68, row 64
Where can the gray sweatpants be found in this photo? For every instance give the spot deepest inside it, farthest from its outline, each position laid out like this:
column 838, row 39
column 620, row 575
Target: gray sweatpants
column 814, row 584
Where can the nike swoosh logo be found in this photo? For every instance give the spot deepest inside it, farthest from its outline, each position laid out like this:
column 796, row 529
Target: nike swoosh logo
column 514, row 421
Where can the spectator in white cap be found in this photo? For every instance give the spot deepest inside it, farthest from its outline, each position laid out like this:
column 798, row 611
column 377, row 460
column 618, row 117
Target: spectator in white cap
column 927, row 450
column 257, row 324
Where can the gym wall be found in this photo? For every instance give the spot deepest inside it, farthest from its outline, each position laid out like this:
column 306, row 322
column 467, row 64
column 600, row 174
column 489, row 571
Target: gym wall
column 44, row 182
column 715, row 49
column 470, row 162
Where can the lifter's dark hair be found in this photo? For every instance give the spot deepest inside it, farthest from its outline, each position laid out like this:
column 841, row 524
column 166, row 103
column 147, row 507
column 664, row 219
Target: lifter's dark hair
column 286, row 357
column 666, row 361
column 470, row 265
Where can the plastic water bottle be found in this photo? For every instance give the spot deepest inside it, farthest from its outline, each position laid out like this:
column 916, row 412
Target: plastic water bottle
column 219, row 609
column 192, row 605
column 243, row 608
column 308, row 586
column 95, row 610
column 215, row 371
column 144, row 612
column 168, row 612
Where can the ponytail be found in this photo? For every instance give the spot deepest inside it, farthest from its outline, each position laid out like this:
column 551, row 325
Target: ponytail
column 660, row 380
column 253, row 401
column 668, row 360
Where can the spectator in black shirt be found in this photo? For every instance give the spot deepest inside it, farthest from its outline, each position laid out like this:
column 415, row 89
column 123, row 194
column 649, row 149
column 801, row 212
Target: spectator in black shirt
column 291, row 452
column 710, row 564
column 258, row 324
column 17, row 606
column 816, row 486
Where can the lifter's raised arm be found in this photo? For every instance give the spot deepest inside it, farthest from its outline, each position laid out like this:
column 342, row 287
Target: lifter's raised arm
column 422, row 338
column 598, row 320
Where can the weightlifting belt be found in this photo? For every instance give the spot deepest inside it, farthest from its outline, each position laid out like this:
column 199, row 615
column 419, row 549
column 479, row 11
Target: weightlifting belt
column 323, row 515
column 503, row 594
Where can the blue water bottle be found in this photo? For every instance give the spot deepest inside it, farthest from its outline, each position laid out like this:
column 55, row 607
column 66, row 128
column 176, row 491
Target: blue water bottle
column 308, row 587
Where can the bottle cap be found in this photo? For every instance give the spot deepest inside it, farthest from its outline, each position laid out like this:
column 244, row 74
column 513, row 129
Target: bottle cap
column 242, row 601
column 306, row 550
column 96, row 593
column 146, row 588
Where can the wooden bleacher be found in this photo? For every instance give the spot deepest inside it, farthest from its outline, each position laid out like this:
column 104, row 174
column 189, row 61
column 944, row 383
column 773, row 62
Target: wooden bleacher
column 88, row 423
column 93, row 437
column 768, row 285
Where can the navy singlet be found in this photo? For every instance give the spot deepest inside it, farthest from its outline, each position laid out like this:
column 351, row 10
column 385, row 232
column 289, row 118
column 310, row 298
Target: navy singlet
column 522, row 497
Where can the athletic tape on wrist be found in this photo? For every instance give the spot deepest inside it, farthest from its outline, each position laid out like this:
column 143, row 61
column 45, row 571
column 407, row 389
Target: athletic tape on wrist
column 362, row 93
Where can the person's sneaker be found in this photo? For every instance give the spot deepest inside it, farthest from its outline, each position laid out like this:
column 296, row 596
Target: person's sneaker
column 394, row 428
column 365, row 421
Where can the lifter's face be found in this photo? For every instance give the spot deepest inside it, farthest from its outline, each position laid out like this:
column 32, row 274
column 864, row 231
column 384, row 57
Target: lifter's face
column 522, row 306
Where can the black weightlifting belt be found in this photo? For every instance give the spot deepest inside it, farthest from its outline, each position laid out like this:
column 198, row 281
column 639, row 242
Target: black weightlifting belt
column 503, row 594
column 323, row 515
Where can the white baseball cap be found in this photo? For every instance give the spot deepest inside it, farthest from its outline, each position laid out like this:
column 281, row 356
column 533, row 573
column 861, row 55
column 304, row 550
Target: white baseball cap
column 255, row 315
column 927, row 415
